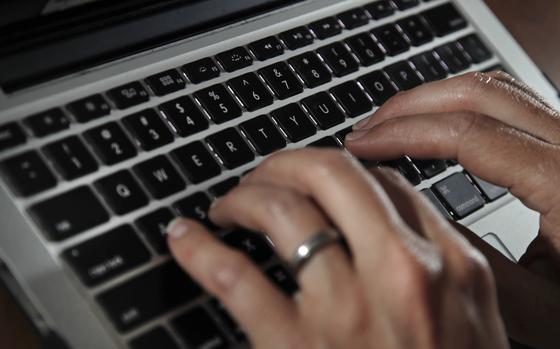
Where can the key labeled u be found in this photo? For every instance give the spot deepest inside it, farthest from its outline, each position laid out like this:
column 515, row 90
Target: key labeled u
column 324, row 108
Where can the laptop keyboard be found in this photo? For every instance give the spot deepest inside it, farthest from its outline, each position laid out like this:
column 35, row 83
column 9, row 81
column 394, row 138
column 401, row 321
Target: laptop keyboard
column 135, row 304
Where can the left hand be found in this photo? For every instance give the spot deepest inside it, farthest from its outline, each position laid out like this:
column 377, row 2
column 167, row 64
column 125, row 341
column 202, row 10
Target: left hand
column 412, row 282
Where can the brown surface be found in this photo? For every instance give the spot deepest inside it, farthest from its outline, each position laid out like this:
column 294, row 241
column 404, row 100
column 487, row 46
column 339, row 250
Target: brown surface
column 536, row 26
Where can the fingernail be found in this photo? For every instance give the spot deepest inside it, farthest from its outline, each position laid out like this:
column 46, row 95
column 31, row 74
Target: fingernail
column 361, row 124
column 177, row 228
column 352, row 136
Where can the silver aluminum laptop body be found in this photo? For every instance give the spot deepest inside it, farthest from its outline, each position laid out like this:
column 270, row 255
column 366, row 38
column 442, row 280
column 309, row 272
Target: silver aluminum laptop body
column 59, row 298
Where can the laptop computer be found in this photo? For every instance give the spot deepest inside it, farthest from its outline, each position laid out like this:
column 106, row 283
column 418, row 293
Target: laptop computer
column 116, row 117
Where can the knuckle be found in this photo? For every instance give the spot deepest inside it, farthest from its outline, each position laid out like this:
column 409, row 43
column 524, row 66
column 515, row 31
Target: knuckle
column 478, row 270
column 325, row 163
column 282, row 203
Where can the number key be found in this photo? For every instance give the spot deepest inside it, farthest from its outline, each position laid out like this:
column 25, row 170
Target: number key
column 338, row 59
column 219, row 103
column 71, row 158
column 110, row 143
column 251, row 91
column 185, row 116
column 148, row 129
column 281, row 80
column 311, row 69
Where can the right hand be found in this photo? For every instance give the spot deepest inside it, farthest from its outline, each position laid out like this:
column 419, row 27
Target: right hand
column 501, row 131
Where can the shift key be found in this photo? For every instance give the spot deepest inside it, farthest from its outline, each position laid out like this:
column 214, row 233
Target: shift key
column 459, row 195
column 69, row 214
column 147, row 296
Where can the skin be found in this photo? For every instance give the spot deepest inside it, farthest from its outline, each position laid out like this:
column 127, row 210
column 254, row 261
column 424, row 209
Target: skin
column 414, row 280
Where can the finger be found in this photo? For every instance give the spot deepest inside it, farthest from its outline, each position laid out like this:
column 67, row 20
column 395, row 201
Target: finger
column 527, row 301
column 523, row 87
column 353, row 200
column 458, row 255
column 289, row 219
column 262, row 310
column 484, row 146
column 478, row 93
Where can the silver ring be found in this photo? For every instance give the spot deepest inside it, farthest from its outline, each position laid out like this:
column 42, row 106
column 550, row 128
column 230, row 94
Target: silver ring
column 313, row 245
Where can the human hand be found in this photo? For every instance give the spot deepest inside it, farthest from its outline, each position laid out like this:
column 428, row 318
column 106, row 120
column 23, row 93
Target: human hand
column 502, row 131
column 412, row 282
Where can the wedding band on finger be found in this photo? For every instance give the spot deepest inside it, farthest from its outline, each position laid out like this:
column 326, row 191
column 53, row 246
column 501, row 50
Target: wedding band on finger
column 314, row 244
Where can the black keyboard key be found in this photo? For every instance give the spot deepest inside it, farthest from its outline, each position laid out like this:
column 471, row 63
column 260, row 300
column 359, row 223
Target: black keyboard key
column 196, row 162
column 406, row 168
column 159, row 177
column 430, row 168
column 264, row 136
column 391, row 39
column 403, row 75
column 324, row 110
column 156, row 338
column 326, row 27
column 297, row 38
column 195, row 206
column 222, row 188
column 429, row 66
column 147, row 296
column 454, row 57
column 128, row 95
column 231, row 148
column 166, row 82
column 354, row 18
column 235, row 59
column 254, row 245
column 71, row 158
column 121, row 192
column 283, row 279
column 219, row 103
column 416, row 30
column 266, row 48
column 311, row 69
column 226, row 319
column 365, row 48
column 325, row 142
column 69, row 214
column 27, row 174
column 199, row 330
column 445, row 19
column 459, row 194
column 148, row 129
column 89, row 108
column 490, row 191
column 437, row 204
column 294, row 122
column 352, row 99
column 153, row 227
column 48, row 122
column 202, row 70
column 475, row 48
column 11, row 135
column 184, row 116
column 406, row 4
column 251, row 91
column 281, row 80
column 378, row 86
column 110, row 143
column 339, row 59
column 380, row 9
column 106, row 256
